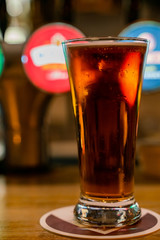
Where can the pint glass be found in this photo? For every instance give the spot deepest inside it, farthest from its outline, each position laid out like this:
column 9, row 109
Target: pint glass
column 106, row 80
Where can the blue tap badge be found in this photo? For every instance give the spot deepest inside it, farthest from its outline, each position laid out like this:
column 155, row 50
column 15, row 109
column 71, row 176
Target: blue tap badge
column 151, row 31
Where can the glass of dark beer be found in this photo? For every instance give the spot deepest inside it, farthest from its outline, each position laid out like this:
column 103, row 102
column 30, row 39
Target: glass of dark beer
column 106, row 81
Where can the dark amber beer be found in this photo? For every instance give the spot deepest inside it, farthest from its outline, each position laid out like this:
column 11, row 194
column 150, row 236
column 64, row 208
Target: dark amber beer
column 106, row 81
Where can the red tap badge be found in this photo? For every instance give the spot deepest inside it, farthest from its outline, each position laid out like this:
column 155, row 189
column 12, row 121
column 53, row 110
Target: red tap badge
column 43, row 58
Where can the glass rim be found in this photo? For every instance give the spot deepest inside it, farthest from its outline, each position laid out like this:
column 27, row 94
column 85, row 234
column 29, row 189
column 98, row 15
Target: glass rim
column 108, row 38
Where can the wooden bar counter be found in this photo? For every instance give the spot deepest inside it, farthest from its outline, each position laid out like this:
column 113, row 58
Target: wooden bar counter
column 25, row 198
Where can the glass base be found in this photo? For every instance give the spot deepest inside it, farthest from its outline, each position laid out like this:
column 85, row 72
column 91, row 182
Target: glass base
column 109, row 214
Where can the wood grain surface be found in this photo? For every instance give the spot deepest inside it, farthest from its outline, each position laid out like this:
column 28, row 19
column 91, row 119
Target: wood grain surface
column 25, row 198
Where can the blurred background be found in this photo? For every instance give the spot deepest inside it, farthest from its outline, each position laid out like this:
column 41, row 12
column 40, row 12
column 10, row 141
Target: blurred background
column 20, row 18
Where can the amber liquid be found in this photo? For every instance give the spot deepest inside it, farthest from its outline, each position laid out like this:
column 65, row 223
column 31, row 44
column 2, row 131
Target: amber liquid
column 106, row 85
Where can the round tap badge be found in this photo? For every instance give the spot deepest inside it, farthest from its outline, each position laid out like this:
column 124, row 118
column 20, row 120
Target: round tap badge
column 1, row 61
column 151, row 31
column 43, row 57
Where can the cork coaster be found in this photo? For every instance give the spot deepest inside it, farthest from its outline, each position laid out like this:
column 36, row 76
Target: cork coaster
column 61, row 221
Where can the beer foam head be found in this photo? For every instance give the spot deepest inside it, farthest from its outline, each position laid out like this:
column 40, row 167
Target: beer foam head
column 85, row 42
column 105, row 43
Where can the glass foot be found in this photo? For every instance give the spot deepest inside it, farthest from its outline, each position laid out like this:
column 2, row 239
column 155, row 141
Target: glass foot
column 109, row 214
